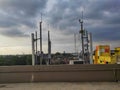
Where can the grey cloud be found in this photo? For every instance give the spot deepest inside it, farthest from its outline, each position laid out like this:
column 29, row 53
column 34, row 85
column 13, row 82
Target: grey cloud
column 26, row 8
column 17, row 13
column 106, row 33
column 13, row 33
column 21, row 12
column 65, row 15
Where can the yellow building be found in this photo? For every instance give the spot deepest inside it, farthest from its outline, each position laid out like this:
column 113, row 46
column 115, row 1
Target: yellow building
column 117, row 50
column 102, row 55
column 113, row 59
column 117, row 54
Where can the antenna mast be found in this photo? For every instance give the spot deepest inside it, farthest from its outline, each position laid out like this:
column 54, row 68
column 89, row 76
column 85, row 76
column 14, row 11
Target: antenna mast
column 82, row 34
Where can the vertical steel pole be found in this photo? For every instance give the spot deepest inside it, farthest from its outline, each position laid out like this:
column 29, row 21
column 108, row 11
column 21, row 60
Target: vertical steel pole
column 75, row 43
column 91, row 49
column 41, row 43
column 49, row 49
column 33, row 50
column 36, row 46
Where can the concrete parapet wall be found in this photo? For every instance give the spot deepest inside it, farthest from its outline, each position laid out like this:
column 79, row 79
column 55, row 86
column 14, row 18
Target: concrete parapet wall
column 59, row 73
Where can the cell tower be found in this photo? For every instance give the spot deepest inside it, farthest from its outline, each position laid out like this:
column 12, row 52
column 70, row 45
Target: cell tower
column 35, row 52
column 86, row 43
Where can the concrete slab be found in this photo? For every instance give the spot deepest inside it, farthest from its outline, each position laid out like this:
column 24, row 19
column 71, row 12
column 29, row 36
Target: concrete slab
column 62, row 86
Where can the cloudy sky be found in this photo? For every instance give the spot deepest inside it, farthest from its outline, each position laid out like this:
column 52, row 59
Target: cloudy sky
column 20, row 18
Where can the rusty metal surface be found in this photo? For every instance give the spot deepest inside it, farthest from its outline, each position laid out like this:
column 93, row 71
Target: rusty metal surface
column 59, row 73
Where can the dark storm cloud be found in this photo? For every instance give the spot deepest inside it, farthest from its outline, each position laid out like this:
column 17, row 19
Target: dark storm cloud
column 102, row 17
column 106, row 34
column 16, row 13
column 64, row 14
column 99, row 15
column 23, row 9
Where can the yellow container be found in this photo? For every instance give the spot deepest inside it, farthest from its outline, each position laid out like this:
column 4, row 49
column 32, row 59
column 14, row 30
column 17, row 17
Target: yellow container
column 104, row 60
column 113, row 59
column 102, row 54
column 117, row 51
column 117, row 54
